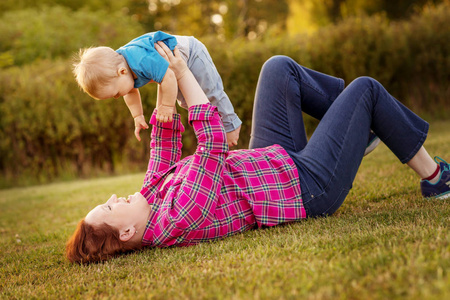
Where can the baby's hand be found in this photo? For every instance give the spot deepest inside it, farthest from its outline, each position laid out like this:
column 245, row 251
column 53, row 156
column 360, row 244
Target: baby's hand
column 233, row 137
column 164, row 113
column 139, row 123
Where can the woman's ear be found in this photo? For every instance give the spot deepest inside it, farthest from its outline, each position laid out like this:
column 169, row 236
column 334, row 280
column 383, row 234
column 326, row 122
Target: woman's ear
column 127, row 234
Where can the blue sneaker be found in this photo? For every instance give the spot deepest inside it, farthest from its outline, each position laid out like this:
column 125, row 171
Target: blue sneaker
column 441, row 189
column 373, row 143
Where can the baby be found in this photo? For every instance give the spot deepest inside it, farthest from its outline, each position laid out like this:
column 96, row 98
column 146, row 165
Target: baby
column 104, row 73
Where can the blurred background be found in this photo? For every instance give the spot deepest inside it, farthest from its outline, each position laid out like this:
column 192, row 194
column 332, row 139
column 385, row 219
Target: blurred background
column 51, row 131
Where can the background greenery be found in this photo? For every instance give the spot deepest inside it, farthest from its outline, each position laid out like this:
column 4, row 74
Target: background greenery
column 50, row 130
column 385, row 242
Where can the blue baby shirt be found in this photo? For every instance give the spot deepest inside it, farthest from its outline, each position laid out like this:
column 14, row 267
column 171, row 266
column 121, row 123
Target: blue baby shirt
column 144, row 60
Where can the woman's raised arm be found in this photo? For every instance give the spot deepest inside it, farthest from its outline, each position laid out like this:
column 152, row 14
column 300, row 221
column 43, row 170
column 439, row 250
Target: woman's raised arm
column 165, row 144
column 194, row 205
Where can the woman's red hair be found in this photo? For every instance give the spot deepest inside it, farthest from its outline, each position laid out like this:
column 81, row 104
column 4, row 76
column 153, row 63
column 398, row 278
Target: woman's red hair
column 94, row 243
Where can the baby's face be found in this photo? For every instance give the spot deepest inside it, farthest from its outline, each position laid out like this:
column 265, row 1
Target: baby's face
column 118, row 87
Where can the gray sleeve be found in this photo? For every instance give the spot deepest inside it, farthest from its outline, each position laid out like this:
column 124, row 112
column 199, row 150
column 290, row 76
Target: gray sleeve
column 229, row 118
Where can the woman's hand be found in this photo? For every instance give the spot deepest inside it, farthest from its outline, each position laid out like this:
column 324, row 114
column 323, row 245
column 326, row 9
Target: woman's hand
column 233, row 137
column 164, row 113
column 176, row 62
column 188, row 85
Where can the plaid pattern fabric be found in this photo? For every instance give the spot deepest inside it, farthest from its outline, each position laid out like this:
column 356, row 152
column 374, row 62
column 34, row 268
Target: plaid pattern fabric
column 215, row 192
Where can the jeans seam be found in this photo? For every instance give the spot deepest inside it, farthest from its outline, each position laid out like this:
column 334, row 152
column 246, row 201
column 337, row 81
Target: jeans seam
column 312, row 86
column 335, row 200
column 345, row 139
column 288, row 78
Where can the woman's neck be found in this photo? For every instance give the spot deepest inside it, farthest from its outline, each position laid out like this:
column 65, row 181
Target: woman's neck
column 140, row 226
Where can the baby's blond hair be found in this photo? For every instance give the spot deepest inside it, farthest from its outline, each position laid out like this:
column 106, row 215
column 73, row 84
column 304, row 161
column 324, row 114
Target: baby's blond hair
column 94, row 67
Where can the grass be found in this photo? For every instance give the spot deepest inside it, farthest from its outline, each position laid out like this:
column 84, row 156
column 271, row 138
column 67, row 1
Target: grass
column 385, row 242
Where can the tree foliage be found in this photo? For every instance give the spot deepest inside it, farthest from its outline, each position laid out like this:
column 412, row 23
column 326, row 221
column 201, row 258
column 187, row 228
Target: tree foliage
column 310, row 15
column 49, row 128
column 57, row 32
column 225, row 19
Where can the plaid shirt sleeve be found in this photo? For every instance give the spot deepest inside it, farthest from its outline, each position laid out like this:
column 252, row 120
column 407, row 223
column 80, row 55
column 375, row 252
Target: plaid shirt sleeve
column 165, row 144
column 194, row 205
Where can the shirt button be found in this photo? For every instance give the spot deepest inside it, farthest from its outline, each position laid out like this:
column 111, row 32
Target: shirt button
column 202, row 148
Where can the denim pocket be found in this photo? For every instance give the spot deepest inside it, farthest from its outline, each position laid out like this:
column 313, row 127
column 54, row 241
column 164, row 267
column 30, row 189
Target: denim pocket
column 311, row 189
column 326, row 204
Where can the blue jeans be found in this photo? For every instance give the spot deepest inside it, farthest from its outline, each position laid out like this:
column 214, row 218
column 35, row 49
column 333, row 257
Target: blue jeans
column 328, row 163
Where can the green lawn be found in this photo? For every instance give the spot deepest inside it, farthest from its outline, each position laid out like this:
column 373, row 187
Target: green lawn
column 385, row 242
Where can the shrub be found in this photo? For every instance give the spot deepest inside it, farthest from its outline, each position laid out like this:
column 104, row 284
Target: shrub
column 56, row 32
column 47, row 123
column 49, row 128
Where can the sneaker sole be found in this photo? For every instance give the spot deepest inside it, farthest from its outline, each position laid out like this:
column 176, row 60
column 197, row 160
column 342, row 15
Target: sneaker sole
column 440, row 197
column 372, row 146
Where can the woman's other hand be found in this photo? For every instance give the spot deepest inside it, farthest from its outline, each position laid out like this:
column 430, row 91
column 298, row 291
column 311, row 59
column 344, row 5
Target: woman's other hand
column 188, row 85
column 176, row 62
column 233, row 137
column 164, row 113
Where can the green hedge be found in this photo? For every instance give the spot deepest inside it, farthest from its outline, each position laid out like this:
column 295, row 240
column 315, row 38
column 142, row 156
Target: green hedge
column 51, row 130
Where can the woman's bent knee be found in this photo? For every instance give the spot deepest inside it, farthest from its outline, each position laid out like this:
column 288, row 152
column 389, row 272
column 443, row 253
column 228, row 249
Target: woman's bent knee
column 365, row 81
column 276, row 60
column 278, row 63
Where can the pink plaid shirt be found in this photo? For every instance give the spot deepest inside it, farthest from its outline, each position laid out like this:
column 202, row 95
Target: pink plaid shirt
column 215, row 192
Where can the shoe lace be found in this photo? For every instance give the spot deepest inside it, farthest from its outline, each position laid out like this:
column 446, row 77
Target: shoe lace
column 438, row 160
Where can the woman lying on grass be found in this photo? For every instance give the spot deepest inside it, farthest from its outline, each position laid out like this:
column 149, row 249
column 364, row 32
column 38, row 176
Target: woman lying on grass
column 281, row 178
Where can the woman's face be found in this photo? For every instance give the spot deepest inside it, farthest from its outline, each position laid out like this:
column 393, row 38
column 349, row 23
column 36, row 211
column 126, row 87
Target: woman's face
column 121, row 213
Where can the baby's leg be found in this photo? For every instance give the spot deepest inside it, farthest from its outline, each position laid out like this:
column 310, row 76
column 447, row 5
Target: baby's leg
column 202, row 66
